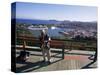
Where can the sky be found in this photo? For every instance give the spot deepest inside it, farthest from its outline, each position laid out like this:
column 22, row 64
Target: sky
column 55, row 12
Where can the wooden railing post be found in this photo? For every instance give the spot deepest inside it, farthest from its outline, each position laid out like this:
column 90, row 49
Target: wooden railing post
column 63, row 50
column 24, row 45
column 70, row 46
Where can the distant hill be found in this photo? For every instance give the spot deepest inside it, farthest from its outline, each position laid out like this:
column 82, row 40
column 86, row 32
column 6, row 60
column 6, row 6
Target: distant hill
column 35, row 21
column 78, row 24
column 63, row 24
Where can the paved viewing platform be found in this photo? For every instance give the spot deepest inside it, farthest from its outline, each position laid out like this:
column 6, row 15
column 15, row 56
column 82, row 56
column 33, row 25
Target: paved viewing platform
column 74, row 59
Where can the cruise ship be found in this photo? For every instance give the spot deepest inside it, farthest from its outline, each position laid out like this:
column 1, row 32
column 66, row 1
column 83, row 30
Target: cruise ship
column 37, row 27
column 36, row 30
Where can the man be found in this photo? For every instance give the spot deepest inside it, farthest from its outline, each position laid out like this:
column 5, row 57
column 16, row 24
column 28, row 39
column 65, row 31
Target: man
column 45, row 45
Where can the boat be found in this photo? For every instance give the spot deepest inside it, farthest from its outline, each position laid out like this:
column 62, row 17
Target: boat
column 36, row 30
column 64, row 33
column 37, row 27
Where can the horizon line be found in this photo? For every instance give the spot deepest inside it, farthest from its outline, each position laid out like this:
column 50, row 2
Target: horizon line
column 56, row 20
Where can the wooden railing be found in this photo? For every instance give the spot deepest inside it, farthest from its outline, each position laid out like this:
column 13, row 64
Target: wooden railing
column 61, row 44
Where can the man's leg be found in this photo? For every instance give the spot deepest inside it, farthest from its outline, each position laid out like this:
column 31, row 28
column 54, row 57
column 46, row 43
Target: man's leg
column 48, row 55
column 43, row 53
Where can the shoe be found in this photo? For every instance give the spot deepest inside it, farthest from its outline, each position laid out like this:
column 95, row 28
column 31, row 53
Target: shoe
column 43, row 60
column 49, row 62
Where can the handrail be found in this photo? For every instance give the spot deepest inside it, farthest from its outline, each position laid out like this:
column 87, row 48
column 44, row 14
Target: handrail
column 57, row 43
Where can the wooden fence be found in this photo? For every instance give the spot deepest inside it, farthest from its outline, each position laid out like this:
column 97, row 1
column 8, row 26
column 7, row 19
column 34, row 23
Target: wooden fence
column 61, row 44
